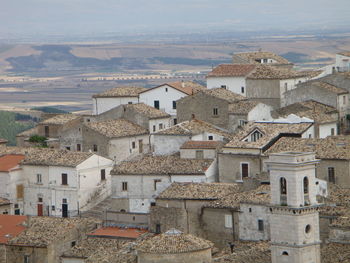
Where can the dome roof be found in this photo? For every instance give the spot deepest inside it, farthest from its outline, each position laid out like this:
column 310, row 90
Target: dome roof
column 173, row 241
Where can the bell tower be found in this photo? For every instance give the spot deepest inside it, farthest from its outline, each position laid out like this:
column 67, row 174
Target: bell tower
column 294, row 221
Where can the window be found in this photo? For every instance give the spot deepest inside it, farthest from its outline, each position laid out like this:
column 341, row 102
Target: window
column 47, row 131
column 256, row 135
column 64, row 179
column 199, row 154
column 285, row 253
column 133, row 145
column 154, row 128
column 223, row 86
column 124, row 186
column 166, row 89
column 228, row 221
column 174, row 105
column 38, row 179
column 242, row 123
column 73, row 243
column 210, row 137
column 157, row 228
column 331, row 175
column 95, row 148
column 283, row 186
column 103, row 174
column 19, row 191
column 244, row 170
column 155, row 184
column 260, row 225
column 242, row 89
column 156, row 104
column 64, row 201
column 344, row 99
column 40, row 199
column 129, row 102
column 264, row 60
column 306, row 185
column 26, row 259
column 175, row 121
column 286, row 86
column 160, row 126
column 78, row 147
column 215, row 111
column 308, row 229
column 68, row 148
column 332, row 131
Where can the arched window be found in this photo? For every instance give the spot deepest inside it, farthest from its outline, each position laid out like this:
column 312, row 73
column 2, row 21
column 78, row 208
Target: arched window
column 283, row 186
column 285, row 253
column 306, row 185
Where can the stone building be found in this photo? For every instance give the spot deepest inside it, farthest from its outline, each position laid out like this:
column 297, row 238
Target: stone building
column 5, row 206
column 115, row 139
column 325, row 117
column 243, row 157
column 222, row 108
column 294, row 219
column 137, row 182
column 112, row 98
column 175, row 247
column 3, row 141
column 200, row 149
column 261, row 57
column 168, row 141
column 333, row 152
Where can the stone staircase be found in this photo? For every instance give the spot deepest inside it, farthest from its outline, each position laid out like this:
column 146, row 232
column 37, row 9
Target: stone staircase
column 98, row 211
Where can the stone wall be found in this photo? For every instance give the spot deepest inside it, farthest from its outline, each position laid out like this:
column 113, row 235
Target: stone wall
column 265, row 90
column 341, row 171
column 201, row 256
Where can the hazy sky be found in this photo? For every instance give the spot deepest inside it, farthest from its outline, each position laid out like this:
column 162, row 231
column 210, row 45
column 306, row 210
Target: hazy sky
column 90, row 16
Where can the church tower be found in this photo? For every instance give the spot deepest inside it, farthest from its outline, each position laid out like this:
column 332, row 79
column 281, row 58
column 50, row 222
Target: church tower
column 294, row 221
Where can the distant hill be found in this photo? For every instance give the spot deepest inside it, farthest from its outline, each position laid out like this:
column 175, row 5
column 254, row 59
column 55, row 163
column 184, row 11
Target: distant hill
column 49, row 110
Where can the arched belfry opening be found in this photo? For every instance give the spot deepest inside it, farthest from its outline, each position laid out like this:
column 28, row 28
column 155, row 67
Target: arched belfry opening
column 283, row 191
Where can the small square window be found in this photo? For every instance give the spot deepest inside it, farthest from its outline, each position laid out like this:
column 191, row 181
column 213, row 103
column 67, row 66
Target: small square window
column 210, row 137
column 64, row 201
column 95, row 148
column 223, row 86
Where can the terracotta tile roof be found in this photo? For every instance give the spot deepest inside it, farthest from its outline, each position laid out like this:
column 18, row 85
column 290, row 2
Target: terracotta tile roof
column 130, row 233
column 344, row 53
column 148, row 111
column 42, row 231
column 4, row 201
column 231, row 70
column 224, row 94
column 242, row 107
column 251, row 57
column 61, row 119
column 193, row 127
column 189, row 87
column 335, row 253
column 332, row 147
column 10, row 227
column 173, row 242
column 311, row 109
column 199, row 191
column 326, row 86
column 271, row 72
column 270, row 131
column 162, row 165
column 10, row 162
column 247, row 252
column 201, row 145
column 46, row 156
column 123, row 91
column 117, row 128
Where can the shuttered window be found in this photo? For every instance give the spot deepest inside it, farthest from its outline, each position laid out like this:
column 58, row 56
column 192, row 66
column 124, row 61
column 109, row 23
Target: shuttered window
column 228, row 221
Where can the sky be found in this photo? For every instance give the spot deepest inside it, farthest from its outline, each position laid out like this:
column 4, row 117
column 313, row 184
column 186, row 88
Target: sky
column 31, row 17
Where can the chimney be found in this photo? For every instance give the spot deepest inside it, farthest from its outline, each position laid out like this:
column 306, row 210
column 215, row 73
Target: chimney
column 182, row 84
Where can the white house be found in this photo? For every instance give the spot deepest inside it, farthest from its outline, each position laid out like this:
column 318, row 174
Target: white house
column 261, row 57
column 112, row 98
column 164, row 97
column 137, row 182
column 63, row 183
column 11, row 181
column 168, row 141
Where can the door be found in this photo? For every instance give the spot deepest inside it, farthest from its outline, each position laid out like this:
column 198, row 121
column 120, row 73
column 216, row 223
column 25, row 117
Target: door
column 140, row 146
column 245, row 168
column 64, row 210
column 40, row 209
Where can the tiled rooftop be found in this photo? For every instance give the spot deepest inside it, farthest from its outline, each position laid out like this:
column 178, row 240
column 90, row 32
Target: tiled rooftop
column 224, row 94
column 162, row 165
column 193, row 127
column 147, row 110
column 60, row 119
column 242, row 107
column 231, row 70
column 326, row 86
column 42, row 231
column 46, row 156
column 124, row 91
column 270, row 131
column 11, row 226
column 189, row 87
column 332, row 147
column 10, row 162
column 199, row 191
column 4, row 201
column 116, row 232
column 271, row 72
column 335, row 253
column 117, row 128
column 311, row 109
column 172, row 242
column 344, row 53
column 201, row 145
column 251, row 57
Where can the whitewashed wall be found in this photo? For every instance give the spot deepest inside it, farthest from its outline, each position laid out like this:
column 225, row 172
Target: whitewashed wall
column 326, row 129
column 260, row 112
column 291, row 84
column 166, row 122
column 233, row 84
column 100, row 105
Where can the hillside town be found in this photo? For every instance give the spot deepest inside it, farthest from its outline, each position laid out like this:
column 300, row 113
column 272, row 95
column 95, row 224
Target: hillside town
column 252, row 167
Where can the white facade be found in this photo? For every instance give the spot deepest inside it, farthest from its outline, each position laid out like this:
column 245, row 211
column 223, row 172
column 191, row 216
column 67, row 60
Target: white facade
column 289, row 84
column 156, row 125
column 342, row 63
column 85, row 187
column 8, row 188
column 234, row 84
column 328, row 129
column 165, row 95
column 102, row 104
column 260, row 112
column 193, row 153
